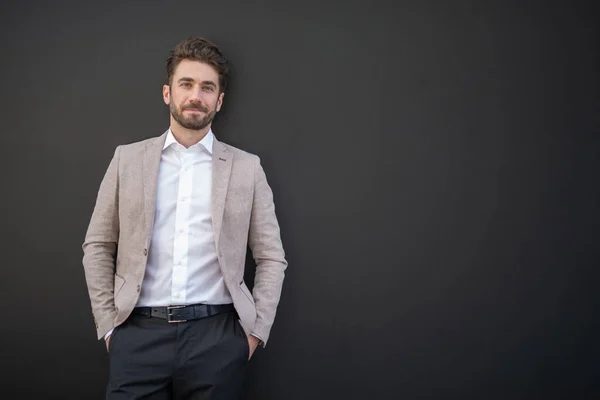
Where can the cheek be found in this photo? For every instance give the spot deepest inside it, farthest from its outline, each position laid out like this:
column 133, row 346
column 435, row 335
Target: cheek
column 177, row 101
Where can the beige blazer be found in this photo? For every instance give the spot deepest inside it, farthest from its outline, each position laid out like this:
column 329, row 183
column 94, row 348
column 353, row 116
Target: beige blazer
column 118, row 237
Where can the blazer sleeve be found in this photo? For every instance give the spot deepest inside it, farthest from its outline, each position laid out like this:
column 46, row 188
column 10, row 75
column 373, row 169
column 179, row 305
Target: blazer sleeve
column 267, row 250
column 100, row 248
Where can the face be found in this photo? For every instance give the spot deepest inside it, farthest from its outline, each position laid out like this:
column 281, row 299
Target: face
column 193, row 96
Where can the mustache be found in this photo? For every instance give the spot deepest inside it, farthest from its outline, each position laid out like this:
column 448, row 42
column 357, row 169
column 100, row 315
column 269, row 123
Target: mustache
column 195, row 107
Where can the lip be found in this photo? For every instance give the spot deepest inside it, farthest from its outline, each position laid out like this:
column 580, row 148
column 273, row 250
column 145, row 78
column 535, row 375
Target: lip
column 192, row 110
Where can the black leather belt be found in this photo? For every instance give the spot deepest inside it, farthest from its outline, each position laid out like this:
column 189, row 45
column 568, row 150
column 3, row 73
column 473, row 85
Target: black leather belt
column 184, row 313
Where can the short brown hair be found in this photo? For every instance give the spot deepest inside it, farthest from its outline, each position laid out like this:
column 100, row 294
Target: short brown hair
column 199, row 49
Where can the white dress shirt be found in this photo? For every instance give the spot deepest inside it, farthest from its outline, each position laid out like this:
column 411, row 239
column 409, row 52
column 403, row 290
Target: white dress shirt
column 182, row 265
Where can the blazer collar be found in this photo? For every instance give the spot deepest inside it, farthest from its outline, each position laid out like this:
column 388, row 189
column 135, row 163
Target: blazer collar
column 222, row 160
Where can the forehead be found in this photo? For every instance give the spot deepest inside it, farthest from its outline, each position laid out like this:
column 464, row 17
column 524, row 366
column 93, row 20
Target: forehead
column 196, row 70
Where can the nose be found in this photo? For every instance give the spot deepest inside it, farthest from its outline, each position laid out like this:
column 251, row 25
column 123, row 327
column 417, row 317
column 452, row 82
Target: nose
column 196, row 94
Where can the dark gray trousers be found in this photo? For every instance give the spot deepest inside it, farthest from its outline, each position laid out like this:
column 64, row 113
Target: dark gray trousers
column 152, row 359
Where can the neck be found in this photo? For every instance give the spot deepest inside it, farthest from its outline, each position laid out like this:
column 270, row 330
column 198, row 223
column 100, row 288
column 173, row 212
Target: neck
column 188, row 137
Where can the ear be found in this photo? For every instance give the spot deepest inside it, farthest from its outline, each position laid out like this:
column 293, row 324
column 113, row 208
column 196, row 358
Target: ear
column 220, row 101
column 166, row 94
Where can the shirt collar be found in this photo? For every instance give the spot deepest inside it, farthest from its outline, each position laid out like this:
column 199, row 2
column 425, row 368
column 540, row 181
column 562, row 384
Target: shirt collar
column 206, row 142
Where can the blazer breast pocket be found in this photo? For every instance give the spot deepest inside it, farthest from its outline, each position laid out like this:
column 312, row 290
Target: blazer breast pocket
column 239, row 204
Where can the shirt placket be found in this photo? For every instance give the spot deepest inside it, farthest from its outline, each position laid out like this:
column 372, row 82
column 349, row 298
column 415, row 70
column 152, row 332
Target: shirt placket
column 181, row 237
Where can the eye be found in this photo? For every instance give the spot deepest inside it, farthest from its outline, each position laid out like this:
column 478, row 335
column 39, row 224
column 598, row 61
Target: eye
column 186, row 84
column 207, row 88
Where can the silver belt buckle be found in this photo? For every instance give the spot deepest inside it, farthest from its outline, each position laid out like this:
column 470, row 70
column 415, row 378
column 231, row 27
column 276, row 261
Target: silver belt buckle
column 169, row 315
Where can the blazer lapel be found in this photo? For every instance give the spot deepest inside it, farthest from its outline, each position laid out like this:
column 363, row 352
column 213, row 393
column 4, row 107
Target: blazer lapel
column 222, row 160
column 152, row 155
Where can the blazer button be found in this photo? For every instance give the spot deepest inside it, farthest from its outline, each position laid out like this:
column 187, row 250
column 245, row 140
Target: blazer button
column 145, row 252
column 138, row 288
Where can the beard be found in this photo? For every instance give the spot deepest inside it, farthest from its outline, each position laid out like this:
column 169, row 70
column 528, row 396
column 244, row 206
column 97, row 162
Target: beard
column 192, row 121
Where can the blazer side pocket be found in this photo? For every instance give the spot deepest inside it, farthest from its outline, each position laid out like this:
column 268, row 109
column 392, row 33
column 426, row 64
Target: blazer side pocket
column 119, row 282
column 247, row 292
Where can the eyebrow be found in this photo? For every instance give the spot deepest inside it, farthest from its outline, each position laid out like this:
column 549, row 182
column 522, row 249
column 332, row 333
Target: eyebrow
column 186, row 79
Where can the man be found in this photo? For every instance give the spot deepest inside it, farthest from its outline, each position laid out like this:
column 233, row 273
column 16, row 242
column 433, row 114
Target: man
column 165, row 249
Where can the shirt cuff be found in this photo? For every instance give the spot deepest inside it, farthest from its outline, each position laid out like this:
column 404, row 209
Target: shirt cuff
column 262, row 342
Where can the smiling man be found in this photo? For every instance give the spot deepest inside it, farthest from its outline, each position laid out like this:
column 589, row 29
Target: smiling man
column 165, row 249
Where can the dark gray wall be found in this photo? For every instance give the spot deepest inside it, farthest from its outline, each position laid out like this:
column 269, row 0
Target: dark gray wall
column 435, row 168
